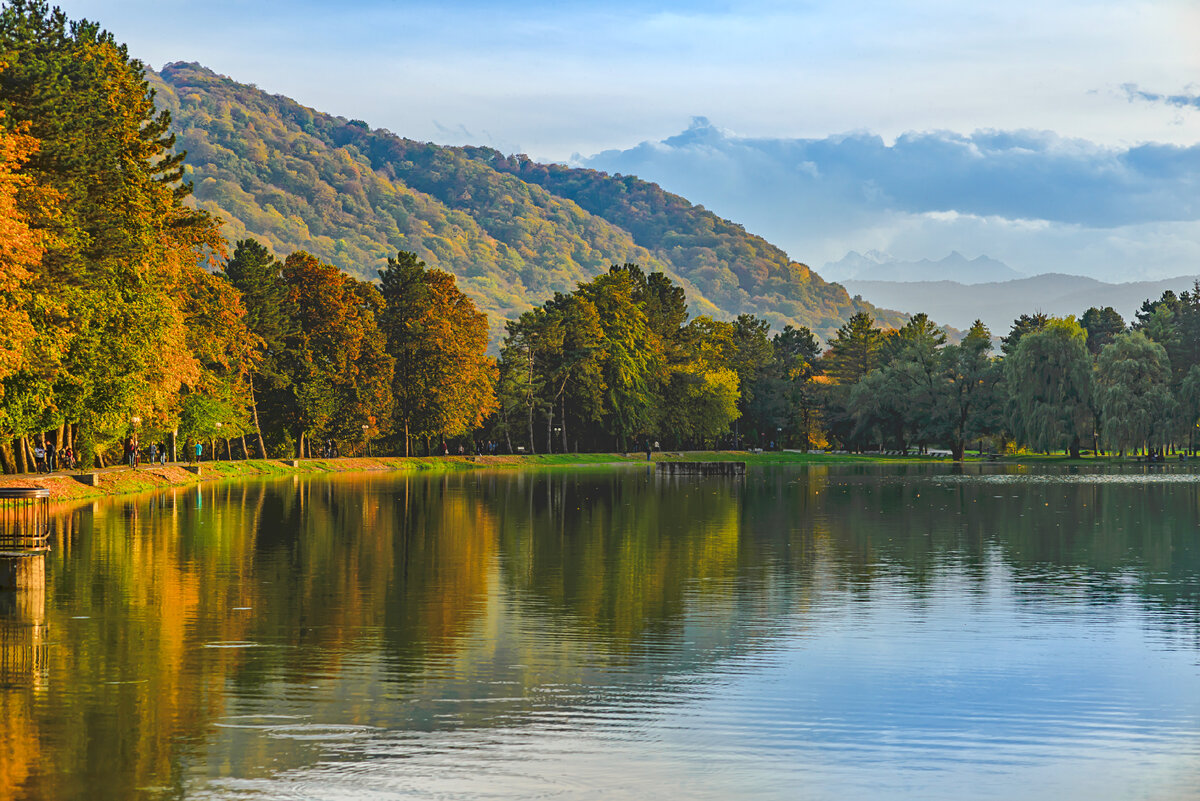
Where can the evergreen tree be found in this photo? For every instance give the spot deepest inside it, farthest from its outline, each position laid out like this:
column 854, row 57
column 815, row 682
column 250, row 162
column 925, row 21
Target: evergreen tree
column 855, row 350
column 1102, row 326
column 258, row 276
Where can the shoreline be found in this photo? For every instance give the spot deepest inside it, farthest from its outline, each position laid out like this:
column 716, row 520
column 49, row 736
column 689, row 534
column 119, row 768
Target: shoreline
column 112, row 481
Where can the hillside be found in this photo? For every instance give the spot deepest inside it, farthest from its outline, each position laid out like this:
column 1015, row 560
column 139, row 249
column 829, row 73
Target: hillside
column 999, row 303
column 513, row 231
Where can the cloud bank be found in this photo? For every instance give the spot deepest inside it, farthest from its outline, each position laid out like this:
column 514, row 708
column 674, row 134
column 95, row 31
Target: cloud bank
column 1036, row 200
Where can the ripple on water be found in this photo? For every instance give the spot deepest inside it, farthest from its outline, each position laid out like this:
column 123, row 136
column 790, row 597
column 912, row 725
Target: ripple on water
column 1072, row 478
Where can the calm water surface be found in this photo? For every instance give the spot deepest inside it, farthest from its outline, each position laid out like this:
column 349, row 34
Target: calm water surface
column 823, row 633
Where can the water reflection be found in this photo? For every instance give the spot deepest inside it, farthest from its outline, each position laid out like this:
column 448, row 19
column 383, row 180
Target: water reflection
column 866, row 630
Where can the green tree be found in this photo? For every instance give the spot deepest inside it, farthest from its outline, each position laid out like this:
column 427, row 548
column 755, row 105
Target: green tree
column 970, row 399
column 1133, row 383
column 633, row 361
column 797, row 393
column 258, row 276
column 1025, row 324
column 854, row 350
column 1102, row 326
column 1049, row 378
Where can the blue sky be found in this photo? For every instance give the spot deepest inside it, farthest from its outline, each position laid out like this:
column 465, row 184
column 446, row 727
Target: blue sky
column 563, row 78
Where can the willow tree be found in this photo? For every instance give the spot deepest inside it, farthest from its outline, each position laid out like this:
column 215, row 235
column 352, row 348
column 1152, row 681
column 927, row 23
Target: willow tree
column 444, row 381
column 1049, row 377
column 1133, row 384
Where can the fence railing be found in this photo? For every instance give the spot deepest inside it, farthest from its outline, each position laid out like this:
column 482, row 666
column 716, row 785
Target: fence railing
column 24, row 518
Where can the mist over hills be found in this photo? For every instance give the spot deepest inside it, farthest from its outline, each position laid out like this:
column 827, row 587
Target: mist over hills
column 999, row 303
column 876, row 266
column 513, row 231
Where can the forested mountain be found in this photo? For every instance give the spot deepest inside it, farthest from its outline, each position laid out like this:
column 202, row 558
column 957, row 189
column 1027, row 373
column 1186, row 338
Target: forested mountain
column 512, row 231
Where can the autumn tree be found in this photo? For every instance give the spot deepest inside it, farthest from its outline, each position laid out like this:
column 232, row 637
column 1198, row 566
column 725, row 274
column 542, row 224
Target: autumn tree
column 444, row 381
column 109, row 286
column 341, row 371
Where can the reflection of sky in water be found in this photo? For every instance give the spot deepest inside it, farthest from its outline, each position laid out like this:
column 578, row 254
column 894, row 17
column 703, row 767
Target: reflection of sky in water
column 966, row 694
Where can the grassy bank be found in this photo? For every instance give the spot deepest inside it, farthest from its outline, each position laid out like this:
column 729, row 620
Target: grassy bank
column 122, row 480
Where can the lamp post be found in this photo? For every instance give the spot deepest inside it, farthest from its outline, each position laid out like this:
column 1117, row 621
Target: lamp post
column 366, row 438
column 216, row 454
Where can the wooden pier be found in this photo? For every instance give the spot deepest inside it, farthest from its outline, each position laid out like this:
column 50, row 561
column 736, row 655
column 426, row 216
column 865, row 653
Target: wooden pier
column 702, row 468
column 24, row 537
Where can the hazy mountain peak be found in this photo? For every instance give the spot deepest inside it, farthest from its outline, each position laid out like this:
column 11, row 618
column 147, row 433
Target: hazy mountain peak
column 877, row 266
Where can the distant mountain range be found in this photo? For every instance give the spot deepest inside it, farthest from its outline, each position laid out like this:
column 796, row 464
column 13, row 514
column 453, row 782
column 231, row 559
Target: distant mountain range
column 513, row 231
column 999, row 303
column 876, row 266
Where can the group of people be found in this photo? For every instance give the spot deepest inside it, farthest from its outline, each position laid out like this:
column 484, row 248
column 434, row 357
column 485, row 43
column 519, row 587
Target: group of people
column 155, row 451
column 48, row 459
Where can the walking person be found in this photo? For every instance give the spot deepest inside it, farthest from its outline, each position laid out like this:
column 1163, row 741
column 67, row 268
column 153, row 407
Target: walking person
column 39, row 458
column 51, row 458
column 162, row 453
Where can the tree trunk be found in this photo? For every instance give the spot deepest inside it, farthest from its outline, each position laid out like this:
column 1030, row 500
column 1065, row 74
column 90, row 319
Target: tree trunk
column 957, row 448
column 21, row 465
column 550, row 429
column 300, row 446
column 562, row 423
column 529, row 425
column 245, row 452
column 1074, row 450
column 262, row 445
column 406, row 437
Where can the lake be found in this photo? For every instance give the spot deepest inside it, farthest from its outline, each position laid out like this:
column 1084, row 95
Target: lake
column 837, row 632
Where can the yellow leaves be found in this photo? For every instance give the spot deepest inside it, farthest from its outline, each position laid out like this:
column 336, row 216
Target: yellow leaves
column 20, row 251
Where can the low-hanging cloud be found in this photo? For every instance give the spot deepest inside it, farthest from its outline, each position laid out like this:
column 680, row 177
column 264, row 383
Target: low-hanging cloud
column 1014, row 174
column 1009, row 194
